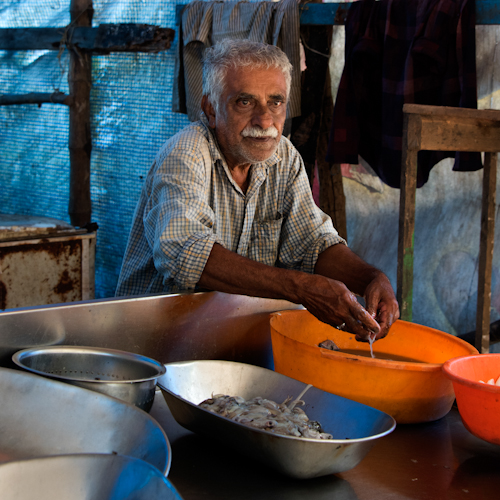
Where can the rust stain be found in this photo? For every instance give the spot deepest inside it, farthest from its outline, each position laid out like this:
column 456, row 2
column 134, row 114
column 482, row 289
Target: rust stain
column 63, row 269
column 3, row 295
column 65, row 284
column 56, row 249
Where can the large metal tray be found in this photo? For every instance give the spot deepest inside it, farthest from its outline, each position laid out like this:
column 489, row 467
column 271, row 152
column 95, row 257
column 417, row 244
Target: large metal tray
column 84, row 477
column 40, row 417
column 354, row 426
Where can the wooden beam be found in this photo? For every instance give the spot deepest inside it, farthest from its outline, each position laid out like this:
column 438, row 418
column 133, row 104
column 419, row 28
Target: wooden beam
column 451, row 113
column 487, row 12
column 80, row 142
column 101, row 40
column 321, row 14
column 454, row 129
column 36, row 98
column 316, row 14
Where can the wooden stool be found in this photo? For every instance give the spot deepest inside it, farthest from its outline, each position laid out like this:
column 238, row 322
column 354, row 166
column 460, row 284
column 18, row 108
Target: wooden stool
column 437, row 128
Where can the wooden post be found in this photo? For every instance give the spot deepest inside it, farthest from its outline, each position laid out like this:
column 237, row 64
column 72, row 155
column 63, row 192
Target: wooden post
column 103, row 39
column 80, row 143
column 310, row 131
column 407, row 217
column 331, row 194
column 482, row 342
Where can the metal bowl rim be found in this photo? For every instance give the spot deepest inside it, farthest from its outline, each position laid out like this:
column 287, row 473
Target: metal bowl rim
column 322, row 442
column 150, row 468
column 87, row 455
column 18, row 357
column 144, row 414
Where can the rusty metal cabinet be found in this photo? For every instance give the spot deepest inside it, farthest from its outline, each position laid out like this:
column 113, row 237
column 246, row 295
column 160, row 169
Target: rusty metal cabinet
column 44, row 261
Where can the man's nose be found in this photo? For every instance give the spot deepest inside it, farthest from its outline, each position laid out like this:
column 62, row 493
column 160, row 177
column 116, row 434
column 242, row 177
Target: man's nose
column 262, row 116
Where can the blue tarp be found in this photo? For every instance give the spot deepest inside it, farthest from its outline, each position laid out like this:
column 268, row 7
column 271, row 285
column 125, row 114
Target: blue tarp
column 131, row 118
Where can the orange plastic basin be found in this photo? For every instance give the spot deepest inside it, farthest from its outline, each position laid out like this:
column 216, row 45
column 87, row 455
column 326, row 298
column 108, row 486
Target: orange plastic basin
column 478, row 404
column 409, row 391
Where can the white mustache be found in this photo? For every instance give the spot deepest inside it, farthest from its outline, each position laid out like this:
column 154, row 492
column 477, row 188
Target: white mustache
column 250, row 131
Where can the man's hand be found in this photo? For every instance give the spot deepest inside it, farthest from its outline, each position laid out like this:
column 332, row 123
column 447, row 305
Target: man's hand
column 340, row 263
column 381, row 304
column 333, row 303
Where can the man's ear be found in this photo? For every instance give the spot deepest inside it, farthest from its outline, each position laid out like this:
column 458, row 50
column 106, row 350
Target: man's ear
column 209, row 111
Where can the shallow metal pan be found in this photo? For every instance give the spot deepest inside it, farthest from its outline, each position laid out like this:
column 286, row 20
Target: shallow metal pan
column 355, row 427
column 40, row 417
column 84, row 477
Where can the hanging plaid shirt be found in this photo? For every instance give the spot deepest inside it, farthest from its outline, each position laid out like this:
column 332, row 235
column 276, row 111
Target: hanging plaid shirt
column 190, row 201
column 397, row 52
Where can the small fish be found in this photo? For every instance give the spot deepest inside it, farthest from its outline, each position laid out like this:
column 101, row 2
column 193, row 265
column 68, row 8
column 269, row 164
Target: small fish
column 329, row 344
column 371, row 340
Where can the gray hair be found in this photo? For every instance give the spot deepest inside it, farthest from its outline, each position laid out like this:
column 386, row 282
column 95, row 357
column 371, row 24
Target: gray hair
column 231, row 53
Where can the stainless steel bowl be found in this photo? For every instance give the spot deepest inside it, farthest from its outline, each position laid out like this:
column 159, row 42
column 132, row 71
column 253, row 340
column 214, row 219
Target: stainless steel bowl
column 84, row 477
column 123, row 375
column 41, row 417
column 355, row 427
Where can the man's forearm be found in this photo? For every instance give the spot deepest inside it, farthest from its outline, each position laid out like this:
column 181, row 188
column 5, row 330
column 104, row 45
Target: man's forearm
column 228, row 272
column 324, row 295
column 340, row 263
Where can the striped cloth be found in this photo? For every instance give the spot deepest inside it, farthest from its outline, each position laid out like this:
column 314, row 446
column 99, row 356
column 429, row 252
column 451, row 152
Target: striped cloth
column 190, row 201
column 205, row 23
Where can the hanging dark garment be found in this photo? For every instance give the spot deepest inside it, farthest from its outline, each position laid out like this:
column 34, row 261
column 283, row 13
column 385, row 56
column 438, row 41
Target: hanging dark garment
column 397, row 52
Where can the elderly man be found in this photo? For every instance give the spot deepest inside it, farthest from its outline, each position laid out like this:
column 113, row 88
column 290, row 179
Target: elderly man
column 227, row 206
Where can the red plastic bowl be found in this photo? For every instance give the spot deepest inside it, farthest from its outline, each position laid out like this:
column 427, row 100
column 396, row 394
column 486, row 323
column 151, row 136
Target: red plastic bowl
column 478, row 403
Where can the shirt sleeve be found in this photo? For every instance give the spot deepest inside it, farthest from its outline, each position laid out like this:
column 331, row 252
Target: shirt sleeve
column 307, row 230
column 177, row 219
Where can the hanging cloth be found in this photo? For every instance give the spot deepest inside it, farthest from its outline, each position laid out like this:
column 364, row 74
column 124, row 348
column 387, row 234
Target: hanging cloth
column 397, row 52
column 205, row 23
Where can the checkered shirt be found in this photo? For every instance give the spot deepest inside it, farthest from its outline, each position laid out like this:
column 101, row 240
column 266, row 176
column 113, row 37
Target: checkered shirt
column 190, row 201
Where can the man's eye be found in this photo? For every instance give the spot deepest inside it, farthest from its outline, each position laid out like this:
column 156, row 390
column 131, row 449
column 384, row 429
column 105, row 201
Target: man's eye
column 277, row 103
column 244, row 102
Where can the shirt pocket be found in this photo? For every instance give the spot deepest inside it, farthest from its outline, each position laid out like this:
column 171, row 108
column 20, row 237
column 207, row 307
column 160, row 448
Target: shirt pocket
column 264, row 241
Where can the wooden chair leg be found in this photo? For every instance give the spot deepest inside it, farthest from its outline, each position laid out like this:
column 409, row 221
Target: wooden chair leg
column 406, row 226
column 487, row 240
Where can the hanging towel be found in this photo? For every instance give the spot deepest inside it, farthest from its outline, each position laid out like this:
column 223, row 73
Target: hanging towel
column 205, row 23
column 397, row 52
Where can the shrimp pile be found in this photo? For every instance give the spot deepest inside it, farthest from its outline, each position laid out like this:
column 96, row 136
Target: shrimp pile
column 491, row 381
column 267, row 415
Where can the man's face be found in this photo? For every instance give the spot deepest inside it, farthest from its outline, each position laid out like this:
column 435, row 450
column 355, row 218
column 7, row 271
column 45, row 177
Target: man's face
column 251, row 115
